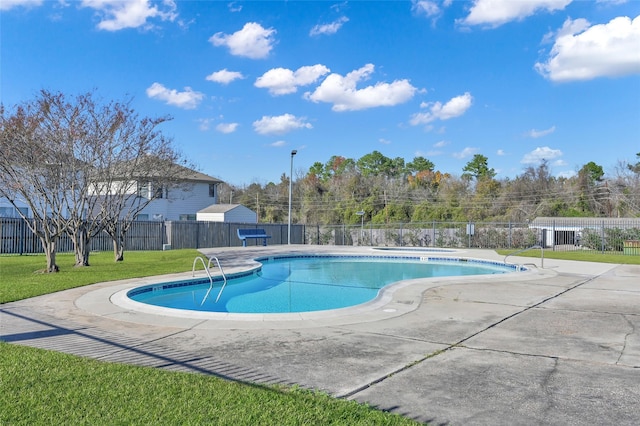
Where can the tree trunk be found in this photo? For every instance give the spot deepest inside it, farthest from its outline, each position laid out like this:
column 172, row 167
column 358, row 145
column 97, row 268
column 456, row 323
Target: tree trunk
column 81, row 246
column 50, row 253
column 118, row 249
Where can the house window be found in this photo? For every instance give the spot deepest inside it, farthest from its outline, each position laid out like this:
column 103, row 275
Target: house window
column 145, row 189
column 212, row 190
column 142, row 217
column 159, row 191
column 187, row 217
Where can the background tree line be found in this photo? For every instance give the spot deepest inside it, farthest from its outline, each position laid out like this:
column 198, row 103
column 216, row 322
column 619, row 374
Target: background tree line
column 391, row 190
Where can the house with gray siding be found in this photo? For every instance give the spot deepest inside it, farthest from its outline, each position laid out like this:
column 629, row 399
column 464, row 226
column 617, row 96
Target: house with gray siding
column 181, row 200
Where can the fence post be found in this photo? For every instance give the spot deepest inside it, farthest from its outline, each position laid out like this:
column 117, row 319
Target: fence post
column 23, row 236
column 344, row 235
column 433, row 240
column 370, row 233
column 602, row 245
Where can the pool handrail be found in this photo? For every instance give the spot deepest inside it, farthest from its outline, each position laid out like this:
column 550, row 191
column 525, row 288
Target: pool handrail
column 206, row 268
column 529, row 248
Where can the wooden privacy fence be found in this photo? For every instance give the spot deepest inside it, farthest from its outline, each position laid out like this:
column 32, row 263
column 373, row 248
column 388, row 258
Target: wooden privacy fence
column 17, row 238
column 189, row 234
column 601, row 234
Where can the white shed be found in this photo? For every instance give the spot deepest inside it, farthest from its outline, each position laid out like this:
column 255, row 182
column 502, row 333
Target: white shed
column 236, row 213
column 556, row 231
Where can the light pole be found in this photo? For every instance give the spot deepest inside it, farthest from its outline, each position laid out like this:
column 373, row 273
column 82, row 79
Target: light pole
column 361, row 214
column 293, row 153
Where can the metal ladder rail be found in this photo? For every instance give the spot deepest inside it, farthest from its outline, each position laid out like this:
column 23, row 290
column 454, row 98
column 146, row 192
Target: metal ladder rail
column 224, row 277
column 529, row 248
column 193, row 273
column 206, row 268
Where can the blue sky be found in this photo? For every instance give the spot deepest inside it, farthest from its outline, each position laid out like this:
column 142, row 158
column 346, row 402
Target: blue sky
column 247, row 82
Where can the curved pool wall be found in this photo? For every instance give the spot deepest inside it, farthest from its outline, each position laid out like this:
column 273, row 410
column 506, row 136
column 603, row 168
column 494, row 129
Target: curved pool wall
column 122, row 298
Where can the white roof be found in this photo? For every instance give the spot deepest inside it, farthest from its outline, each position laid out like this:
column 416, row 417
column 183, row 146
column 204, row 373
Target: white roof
column 222, row 208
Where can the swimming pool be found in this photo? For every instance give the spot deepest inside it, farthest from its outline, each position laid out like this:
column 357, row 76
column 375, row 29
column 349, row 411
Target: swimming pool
column 287, row 284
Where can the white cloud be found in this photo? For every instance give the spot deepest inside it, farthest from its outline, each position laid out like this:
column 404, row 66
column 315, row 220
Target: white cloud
column 188, row 99
column 497, row 12
column 120, row 14
column 428, row 8
column 440, row 144
column 252, row 41
column 227, row 127
column 224, row 76
column 269, row 125
column 282, row 81
column 328, row 29
column 234, row 7
column 9, row 4
column 611, row 2
column 345, row 96
column 465, row 153
column 583, row 52
column 533, row 133
column 384, row 141
column 501, row 152
column 539, row 154
column 428, row 154
column 437, row 111
column 204, row 123
column 278, row 144
column 567, row 174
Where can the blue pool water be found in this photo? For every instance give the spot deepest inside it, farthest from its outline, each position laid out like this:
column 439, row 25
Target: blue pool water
column 308, row 283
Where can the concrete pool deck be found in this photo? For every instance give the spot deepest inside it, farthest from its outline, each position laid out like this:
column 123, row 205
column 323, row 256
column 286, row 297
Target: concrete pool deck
column 555, row 345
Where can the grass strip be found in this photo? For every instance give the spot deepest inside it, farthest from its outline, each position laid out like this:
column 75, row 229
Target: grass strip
column 20, row 279
column 40, row 387
column 579, row 255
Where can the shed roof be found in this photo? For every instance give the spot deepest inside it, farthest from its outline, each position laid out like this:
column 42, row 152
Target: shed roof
column 221, row 208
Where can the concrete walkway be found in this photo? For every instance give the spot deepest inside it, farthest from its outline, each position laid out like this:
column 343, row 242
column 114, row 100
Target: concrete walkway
column 559, row 345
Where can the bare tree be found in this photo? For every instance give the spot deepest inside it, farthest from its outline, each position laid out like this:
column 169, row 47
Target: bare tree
column 139, row 165
column 133, row 183
column 81, row 166
column 37, row 169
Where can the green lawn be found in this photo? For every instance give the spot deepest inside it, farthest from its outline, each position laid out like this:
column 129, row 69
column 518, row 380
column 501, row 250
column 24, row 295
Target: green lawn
column 581, row 255
column 20, row 277
column 39, row 387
